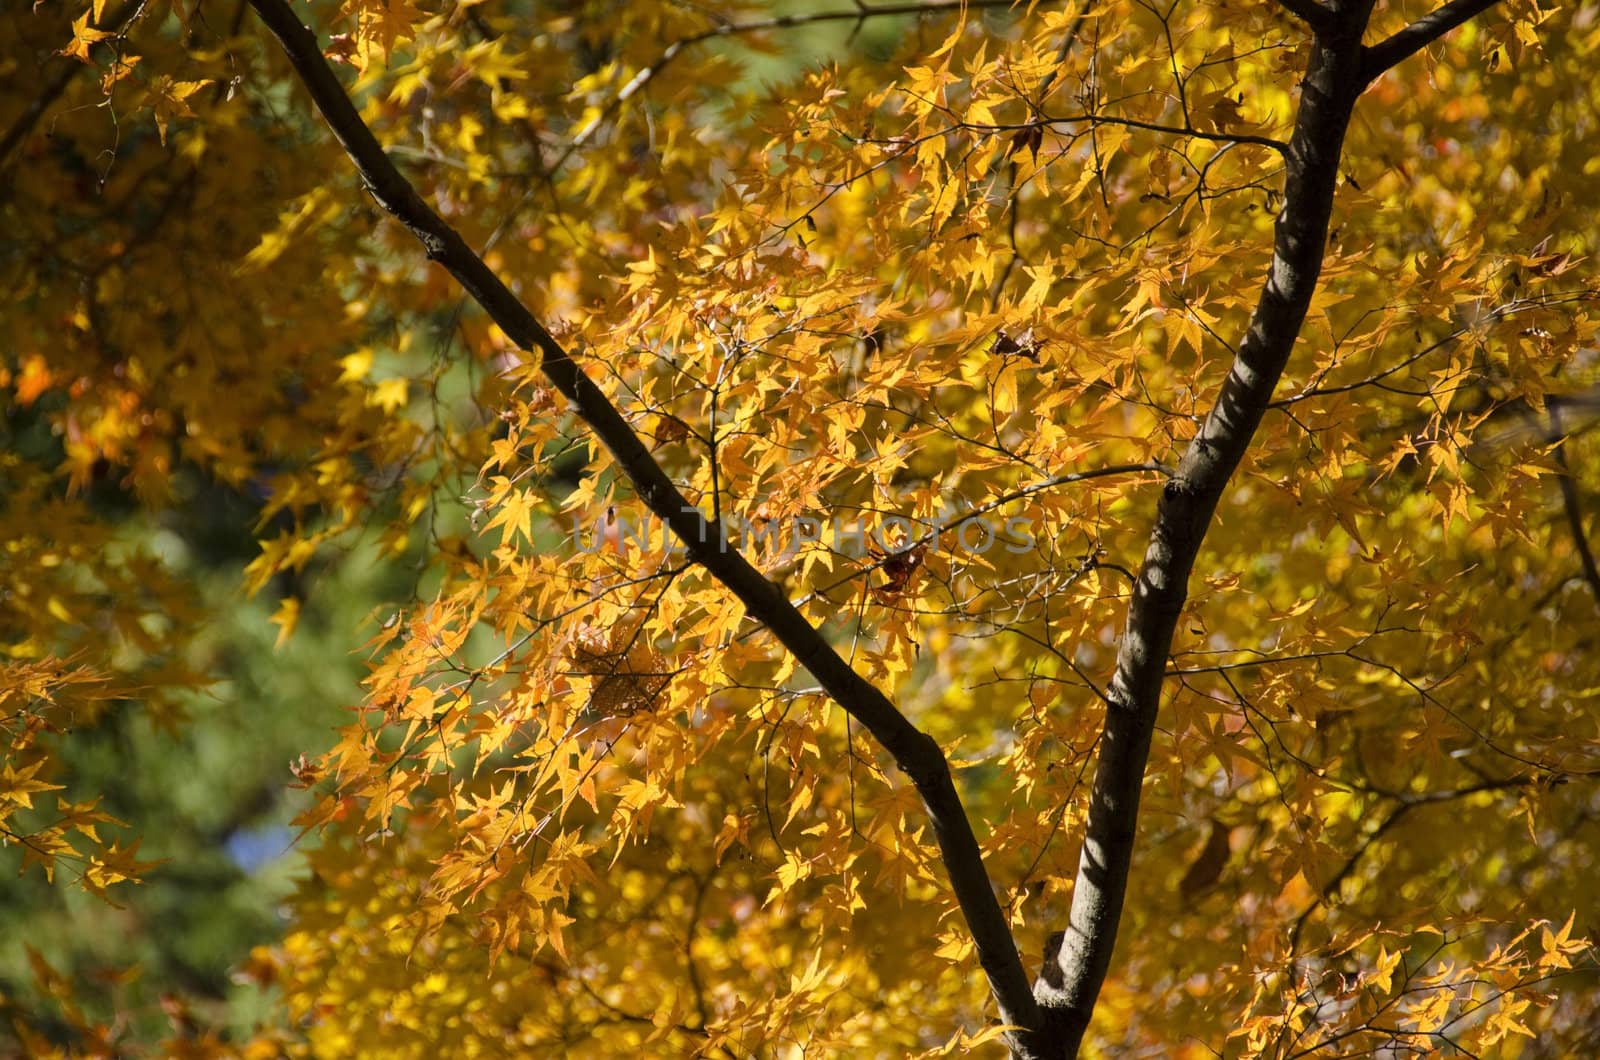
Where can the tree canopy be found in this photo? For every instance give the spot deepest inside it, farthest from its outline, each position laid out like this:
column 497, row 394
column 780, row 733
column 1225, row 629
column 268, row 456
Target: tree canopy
column 904, row 528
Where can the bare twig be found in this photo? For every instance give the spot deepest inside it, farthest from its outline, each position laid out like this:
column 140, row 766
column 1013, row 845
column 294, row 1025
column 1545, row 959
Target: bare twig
column 858, row 13
column 65, row 70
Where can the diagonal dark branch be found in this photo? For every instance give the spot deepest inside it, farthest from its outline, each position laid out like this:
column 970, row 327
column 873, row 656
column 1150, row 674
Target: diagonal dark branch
column 913, row 751
column 1570, row 502
column 1078, row 958
column 1417, row 36
column 1068, row 40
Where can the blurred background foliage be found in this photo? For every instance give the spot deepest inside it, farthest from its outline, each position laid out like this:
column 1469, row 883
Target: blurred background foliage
column 208, row 793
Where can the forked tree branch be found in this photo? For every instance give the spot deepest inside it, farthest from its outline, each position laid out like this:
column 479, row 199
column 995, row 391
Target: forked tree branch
column 1339, row 70
column 916, row 753
column 1417, row 36
column 1080, row 956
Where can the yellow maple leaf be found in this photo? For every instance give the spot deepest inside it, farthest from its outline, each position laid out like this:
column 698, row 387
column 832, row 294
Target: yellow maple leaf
column 391, row 394
column 286, row 618
column 168, row 99
column 83, row 38
column 381, row 24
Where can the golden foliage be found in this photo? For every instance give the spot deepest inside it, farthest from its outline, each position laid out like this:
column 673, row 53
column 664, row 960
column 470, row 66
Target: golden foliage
column 588, row 804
